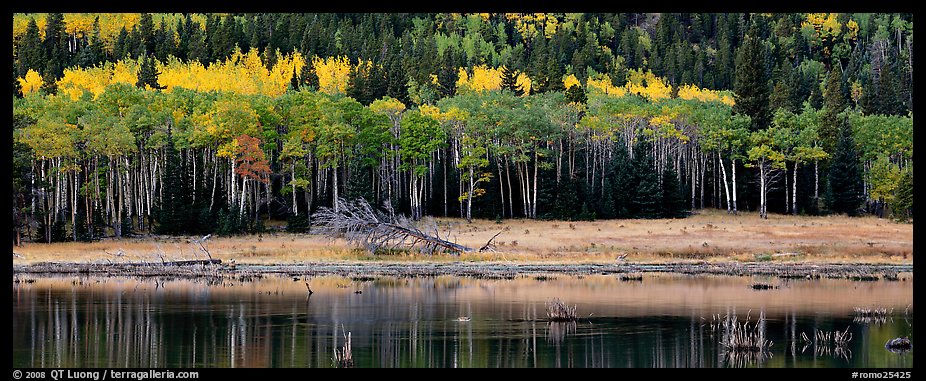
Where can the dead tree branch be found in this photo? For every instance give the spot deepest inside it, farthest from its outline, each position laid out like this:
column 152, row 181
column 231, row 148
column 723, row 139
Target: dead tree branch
column 359, row 224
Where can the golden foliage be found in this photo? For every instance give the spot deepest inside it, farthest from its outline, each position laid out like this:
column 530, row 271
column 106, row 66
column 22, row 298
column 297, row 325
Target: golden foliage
column 431, row 111
column 648, row 85
column 571, row 80
column 31, row 83
column 524, row 82
column 241, row 73
column 332, row 74
column 602, row 84
column 81, row 24
column 483, row 78
column 825, row 24
column 693, row 92
column 125, row 71
column 95, row 79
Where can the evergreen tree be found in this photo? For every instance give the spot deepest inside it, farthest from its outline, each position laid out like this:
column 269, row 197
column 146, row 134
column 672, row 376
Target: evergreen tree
column 845, row 194
column 576, row 94
column 751, row 84
column 567, row 201
column 173, row 214
column 309, row 78
column 834, row 102
column 647, row 196
column 782, row 93
column 49, row 83
column 120, row 48
column 621, row 183
column 146, row 33
column 148, row 75
column 56, row 50
column 31, row 51
column 673, row 202
column 17, row 87
column 510, row 81
column 888, row 98
column 447, row 75
column 903, row 196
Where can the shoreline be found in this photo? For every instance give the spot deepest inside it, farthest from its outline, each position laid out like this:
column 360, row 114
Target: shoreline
column 496, row 270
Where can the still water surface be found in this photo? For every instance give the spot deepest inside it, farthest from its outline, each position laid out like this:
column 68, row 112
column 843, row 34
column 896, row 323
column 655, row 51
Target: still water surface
column 662, row 321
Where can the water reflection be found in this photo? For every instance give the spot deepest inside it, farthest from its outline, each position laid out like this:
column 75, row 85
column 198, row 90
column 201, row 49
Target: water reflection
column 667, row 321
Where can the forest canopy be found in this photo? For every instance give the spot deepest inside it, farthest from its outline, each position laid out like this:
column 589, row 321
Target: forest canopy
column 196, row 123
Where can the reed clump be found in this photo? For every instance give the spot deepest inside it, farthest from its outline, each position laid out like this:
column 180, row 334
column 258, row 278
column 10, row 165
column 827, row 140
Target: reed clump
column 559, row 311
column 744, row 336
column 344, row 357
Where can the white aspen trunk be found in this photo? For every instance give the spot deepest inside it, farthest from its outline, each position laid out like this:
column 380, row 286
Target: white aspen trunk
column 469, row 197
column 510, row 190
column 522, row 176
column 694, row 181
column 816, row 180
column 233, row 189
column 193, row 158
column 762, row 213
column 501, row 184
column 726, row 189
column 787, row 199
column 215, row 181
column 74, row 207
column 703, row 165
column 334, row 192
column 293, row 182
column 534, row 202
column 244, row 188
column 445, row 185
column 794, row 191
column 733, row 165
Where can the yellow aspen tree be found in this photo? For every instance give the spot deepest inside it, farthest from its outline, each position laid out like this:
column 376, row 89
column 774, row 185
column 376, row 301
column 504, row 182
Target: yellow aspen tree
column 76, row 80
column 31, row 82
column 524, row 82
column 571, row 80
column 332, row 74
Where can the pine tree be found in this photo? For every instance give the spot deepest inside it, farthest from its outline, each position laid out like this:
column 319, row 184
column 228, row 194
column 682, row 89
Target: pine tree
column 834, row 102
column 510, row 81
column 31, row 51
column 146, row 32
column 49, row 83
column 621, row 183
column 647, row 197
column 308, row 77
column 903, row 197
column 887, row 100
column 567, row 202
column 845, row 193
column 56, row 51
column 17, row 87
column 673, row 203
column 174, row 211
column 148, row 75
column 447, row 75
column 576, row 94
column 751, row 84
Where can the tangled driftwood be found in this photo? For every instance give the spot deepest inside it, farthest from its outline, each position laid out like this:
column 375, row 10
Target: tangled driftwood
column 358, row 223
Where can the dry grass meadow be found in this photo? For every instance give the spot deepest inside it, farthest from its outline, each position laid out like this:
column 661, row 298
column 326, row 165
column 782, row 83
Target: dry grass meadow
column 711, row 235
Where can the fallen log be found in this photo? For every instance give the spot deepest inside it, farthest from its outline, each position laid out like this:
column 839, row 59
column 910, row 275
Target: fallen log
column 175, row 263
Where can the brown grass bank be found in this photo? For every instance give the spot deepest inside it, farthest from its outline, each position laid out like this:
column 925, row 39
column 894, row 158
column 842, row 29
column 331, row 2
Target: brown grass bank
column 711, row 236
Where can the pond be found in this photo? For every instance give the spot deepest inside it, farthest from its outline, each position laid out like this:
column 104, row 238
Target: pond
column 662, row 320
